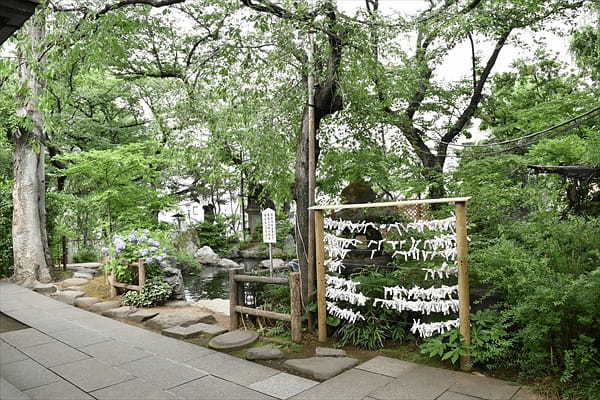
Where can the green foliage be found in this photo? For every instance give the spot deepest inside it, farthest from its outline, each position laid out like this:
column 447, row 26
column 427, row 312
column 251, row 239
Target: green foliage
column 5, row 228
column 154, row 293
column 186, row 262
column 447, row 346
column 215, row 235
column 369, row 334
column 86, row 254
column 582, row 367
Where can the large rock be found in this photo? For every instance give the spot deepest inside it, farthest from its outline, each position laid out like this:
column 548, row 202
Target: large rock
column 329, row 352
column 206, row 255
column 68, row 296
column 233, row 340
column 182, row 317
column 105, row 305
column 174, row 278
column 320, row 368
column 254, row 252
column 90, row 271
column 199, row 329
column 74, row 282
column 83, row 275
column 45, row 288
column 119, row 312
column 268, row 352
column 227, row 263
column 142, row 315
column 85, row 302
column 278, row 263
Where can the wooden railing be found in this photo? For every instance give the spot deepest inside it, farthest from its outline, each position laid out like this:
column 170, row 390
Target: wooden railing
column 461, row 249
column 236, row 295
column 114, row 284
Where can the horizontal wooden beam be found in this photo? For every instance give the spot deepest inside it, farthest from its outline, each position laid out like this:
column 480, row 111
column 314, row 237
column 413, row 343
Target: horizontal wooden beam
column 404, row 203
column 261, row 279
column 263, row 313
column 126, row 286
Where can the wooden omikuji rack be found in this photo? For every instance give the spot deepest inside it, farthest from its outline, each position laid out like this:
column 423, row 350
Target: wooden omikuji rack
column 114, row 284
column 235, row 296
column 462, row 261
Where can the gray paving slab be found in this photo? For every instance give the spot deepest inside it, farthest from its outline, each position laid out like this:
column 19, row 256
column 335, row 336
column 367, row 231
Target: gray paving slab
column 136, row 389
column 283, row 386
column 91, row 374
column 233, row 369
column 27, row 374
column 54, row 353
column 115, row 352
column 61, row 390
column 213, row 388
column 181, row 317
column 54, row 325
column 419, row 383
column 172, row 349
column 350, row 385
column 320, row 368
column 80, row 337
column 9, row 392
column 9, row 354
column 195, row 330
column 456, row 396
column 484, row 387
column 387, row 366
column 103, row 325
column 163, row 373
column 25, row 338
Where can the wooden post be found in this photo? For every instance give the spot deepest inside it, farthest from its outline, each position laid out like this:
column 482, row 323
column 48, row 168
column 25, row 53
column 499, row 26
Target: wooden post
column 113, row 289
column 321, row 283
column 233, row 298
column 311, row 175
column 295, row 307
column 141, row 273
column 463, row 281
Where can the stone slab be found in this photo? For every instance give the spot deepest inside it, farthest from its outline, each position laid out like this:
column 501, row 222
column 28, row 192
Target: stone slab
column 115, row 352
column 142, row 315
column 27, row 374
column 163, row 373
column 484, row 387
column 181, row 317
column 85, row 302
column 83, row 275
column 142, row 389
column 420, row 382
column 214, row 388
column 105, row 305
column 54, row 353
column 74, row 282
column 84, row 270
column 350, row 385
column 526, row 394
column 44, row 288
column 25, row 338
column 268, row 352
column 68, row 296
column 91, row 374
column 283, row 386
column 456, row 396
column 320, row 368
column 80, row 337
column 195, row 330
column 329, row 352
column 9, row 354
column 233, row 340
column 387, row 366
column 61, row 390
column 119, row 312
column 9, row 392
column 232, row 368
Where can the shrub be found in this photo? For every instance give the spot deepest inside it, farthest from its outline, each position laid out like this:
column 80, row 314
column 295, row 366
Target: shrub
column 85, row 254
column 186, row 262
column 6, row 255
column 214, row 235
column 155, row 292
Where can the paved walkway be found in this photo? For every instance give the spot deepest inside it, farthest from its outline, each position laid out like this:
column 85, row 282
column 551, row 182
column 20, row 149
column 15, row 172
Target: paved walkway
column 69, row 353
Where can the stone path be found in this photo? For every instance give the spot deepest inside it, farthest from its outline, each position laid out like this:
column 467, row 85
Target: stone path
column 70, row 353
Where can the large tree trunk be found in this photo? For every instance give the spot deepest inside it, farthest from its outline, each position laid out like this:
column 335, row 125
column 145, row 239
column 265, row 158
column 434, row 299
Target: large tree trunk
column 30, row 241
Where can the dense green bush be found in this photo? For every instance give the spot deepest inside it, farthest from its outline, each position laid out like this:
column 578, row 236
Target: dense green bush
column 186, row 262
column 6, row 260
column 86, row 254
column 214, row 234
column 154, row 293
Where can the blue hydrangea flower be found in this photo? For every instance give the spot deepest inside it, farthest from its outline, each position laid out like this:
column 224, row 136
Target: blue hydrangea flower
column 132, row 237
column 142, row 238
column 146, row 231
column 119, row 245
column 153, row 249
column 104, row 251
column 153, row 242
column 143, row 252
column 150, row 260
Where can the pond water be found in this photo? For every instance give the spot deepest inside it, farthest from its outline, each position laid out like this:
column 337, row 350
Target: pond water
column 212, row 282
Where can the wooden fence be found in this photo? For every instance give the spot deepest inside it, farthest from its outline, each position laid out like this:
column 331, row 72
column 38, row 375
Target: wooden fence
column 235, row 296
column 462, row 255
column 114, row 284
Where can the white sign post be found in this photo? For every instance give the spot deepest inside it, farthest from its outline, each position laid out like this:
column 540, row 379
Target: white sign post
column 269, row 232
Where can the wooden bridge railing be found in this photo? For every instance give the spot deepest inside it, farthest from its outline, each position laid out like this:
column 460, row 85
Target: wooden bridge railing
column 235, row 297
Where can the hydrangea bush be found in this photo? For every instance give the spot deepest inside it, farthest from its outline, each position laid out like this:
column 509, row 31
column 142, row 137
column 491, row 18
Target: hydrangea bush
column 129, row 249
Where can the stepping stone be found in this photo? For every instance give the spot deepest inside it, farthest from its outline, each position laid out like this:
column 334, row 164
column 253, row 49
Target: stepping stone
column 68, row 296
column 85, row 302
column 182, row 317
column 329, row 352
column 74, row 282
column 83, row 275
column 264, row 353
column 44, row 288
column 105, row 305
column 184, row 332
column 142, row 315
column 88, row 271
column 233, row 340
column 320, row 368
column 177, row 303
column 119, row 312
